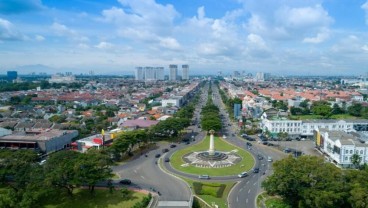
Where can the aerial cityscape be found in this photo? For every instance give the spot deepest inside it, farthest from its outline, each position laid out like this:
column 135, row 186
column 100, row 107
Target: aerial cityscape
column 175, row 104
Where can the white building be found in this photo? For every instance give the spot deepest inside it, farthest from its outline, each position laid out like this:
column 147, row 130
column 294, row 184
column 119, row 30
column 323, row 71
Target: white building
column 260, row 77
column 172, row 101
column 306, row 127
column 149, row 73
column 173, row 72
column 340, row 146
column 185, row 72
column 57, row 78
column 139, row 73
column 160, row 73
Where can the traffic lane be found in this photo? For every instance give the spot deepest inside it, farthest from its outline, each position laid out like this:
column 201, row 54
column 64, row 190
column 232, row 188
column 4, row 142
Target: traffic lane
column 145, row 173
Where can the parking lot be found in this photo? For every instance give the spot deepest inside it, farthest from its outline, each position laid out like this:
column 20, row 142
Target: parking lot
column 307, row 146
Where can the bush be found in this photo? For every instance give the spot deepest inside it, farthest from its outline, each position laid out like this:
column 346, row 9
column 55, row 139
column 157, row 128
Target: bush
column 197, row 188
column 220, row 191
column 144, row 203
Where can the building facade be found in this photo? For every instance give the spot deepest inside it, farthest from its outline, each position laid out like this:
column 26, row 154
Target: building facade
column 139, row 73
column 339, row 147
column 12, row 75
column 173, row 72
column 185, row 72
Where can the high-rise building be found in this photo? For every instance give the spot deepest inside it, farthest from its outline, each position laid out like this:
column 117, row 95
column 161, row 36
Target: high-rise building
column 267, row 76
column 139, row 73
column 236, row 74
column 185, row 72
column 259, row 76
column 160, row 73
column 173, row 72
column 12, row 75
column 149, row 73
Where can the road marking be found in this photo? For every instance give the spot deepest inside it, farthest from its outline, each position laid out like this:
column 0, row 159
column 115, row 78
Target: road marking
column 248, row 191
column 247, row 182
column 246, row 201
column 254, row 183
column 240, row 189
column 135, row 171
column 237, row 199
column 142, row 177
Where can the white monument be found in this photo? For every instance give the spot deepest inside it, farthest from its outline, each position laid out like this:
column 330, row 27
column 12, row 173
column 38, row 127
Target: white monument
column 211, row 151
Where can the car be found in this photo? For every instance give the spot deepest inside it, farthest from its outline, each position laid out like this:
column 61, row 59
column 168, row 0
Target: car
column 255, row 170
column 157, row 155
column 249, row 144
column 233, row 134
column 260, row 157
column 165, row 150
column 269, row 159
column 243, row 174
column 125, row 182
column 270, row 144
column 173, row 146
column 265, row 143
column 229, row 124
column 167, row 159
column 204, row 177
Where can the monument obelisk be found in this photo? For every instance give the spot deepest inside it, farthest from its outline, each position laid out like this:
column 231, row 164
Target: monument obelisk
column 211, row 151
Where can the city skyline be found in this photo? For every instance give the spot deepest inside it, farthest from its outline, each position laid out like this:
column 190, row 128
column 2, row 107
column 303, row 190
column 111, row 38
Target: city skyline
column 285, row 37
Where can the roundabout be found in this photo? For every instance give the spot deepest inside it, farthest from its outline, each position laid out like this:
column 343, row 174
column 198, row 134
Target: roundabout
column 226, row 161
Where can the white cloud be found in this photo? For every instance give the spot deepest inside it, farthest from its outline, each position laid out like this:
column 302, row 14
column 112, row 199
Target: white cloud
column 8, row 31
column 365, row 8
column 64, row 31
column 104, row 45
column 320, row 37
column 169, row 43
column 83, row 46
column 39, row 38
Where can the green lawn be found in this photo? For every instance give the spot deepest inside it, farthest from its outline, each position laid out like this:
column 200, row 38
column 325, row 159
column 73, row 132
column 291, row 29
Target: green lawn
column 208, row 186
column 245, row 164
column 102, row 198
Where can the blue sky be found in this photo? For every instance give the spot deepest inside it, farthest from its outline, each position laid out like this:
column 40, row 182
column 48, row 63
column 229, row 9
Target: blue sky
column 306, row 37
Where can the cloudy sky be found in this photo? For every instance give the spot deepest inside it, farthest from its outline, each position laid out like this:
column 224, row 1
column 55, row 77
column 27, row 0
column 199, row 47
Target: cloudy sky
column 306, row 37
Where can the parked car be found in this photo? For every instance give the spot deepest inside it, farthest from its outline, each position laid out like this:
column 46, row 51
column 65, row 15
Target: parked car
column 167, row 159
column 173, row 146
column 255, row 170
column 243, row 174
column 157, row 155
column 265, row 143
column 204, row 177
column 249, row 144
column 125, row 182
column 165, row 150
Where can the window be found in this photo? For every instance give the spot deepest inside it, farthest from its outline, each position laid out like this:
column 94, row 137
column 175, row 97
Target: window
column 351, row 151
column 361, row 152
column 346, row 151
column 346, row 158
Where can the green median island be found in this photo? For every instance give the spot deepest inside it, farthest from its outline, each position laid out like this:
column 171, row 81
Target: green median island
column 218, row 158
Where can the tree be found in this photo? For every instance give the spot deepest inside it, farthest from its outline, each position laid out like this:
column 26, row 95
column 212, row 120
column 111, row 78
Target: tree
column 336, row 109
column 308, row 181
column 355, row 109
column 321, row 108
column 356, row 159
column 282, row 135
column 296, row 111
column 304, row 104
column 61, row 171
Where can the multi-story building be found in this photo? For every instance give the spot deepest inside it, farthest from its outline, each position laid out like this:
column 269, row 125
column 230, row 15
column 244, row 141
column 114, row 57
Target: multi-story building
column 173, row 72
column 149, row 73
column 12, row 75
column 185, row 72
column 139, row 73
column 260, row 77
column 305, row 128
column 340, row 146
column 160, row 73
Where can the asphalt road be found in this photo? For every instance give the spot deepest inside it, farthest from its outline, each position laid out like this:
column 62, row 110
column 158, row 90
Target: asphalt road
column 244, row 194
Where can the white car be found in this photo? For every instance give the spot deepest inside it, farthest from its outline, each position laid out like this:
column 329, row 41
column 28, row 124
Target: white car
column 269, row 159
column 243, row 174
